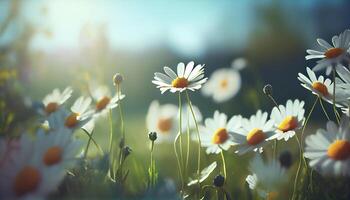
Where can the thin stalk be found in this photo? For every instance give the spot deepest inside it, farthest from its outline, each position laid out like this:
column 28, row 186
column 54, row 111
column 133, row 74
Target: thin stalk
column 178, row 161
column 334, row 107
column 180, row 130
column 110, row 132
column 122, row 128
column 88, row 143
column 306, row 122
column 311, row 180
column 188, row 139
column 298, row 170
column 275, row 142
column 199, row 142
column 273, row 101
column 324, row 110
column 152, row 182
column 198, row 135
column 111, row 170
column 121, row 112
column 223, row 163
column 300, row 143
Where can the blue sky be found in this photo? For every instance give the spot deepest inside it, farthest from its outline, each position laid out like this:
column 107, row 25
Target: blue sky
column 189, row 27
column 135, row 25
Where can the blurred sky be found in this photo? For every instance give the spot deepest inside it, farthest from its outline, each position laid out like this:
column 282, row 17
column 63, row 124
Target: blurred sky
column 54, row 41
column 189, row 27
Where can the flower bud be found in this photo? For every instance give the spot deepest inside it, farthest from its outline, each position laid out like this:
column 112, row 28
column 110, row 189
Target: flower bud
column 219, row 181
column 126, row 152
column 117, row 79
column 152, row 136
column 268, row 90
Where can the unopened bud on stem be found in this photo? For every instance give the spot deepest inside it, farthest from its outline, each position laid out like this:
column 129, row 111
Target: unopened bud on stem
column 268, row 90
column 117, row 79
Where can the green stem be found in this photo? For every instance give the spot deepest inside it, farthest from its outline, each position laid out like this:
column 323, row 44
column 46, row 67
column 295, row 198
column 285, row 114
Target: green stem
column 334, row 107
column 273, row 101
column 151, row 166
column 324, row 110
column 121, row 112
column 111, row 170
column 198, row 135
column 306, row 122
column 301, row 157
column 199, row 141
column 223, row 163
column 188, row 139
column 122, row 128
column 110, row 132
column 88, row 143
column 180, row 130
column 311, row 180
column 275, row 142
column 178, row 161
column 299, row 168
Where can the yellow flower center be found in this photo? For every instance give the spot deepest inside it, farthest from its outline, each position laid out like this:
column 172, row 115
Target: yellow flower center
column 164, row 124
column 102, row 103
column 71, row 120
column 224, row 83
column 26, row 181
column 180, row 82
column 289, row 123
column 220, row 136
column 53, row 155
column 51, row 107
column 339, row 150
column 255, row 136
column 320, row 87
column 333, row 52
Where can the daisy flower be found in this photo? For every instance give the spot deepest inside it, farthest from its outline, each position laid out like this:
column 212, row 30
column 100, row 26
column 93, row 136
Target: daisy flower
column 254, row 133
column 266, row 178
column 323, row 87
column 189, row 77
column 216, row 134
column 329, row 150
column 68, row 120
column 163, row 120
column 331, row 55
column 205, row 173
column 53, row 100
column 222, row 85
column 57, row 147
column 80, row 113
column 24, row 176
column 287, row 119
column 104, row 101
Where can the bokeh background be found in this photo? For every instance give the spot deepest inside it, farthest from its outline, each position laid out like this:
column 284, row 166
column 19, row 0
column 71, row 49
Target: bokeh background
column 59, row 43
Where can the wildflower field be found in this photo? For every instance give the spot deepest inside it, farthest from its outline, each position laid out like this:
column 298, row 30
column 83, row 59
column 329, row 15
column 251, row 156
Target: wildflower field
column 226, row 100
